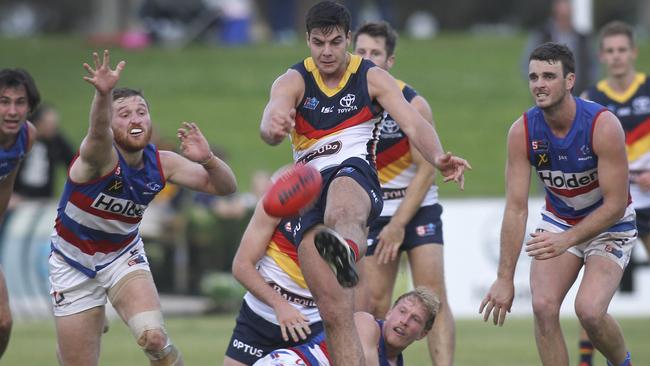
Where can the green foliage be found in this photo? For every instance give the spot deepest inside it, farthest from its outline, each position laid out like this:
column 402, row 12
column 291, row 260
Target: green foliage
column 474, row 84
column 224, row 290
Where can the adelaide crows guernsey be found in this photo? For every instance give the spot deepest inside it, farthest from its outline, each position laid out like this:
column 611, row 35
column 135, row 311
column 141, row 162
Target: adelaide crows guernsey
column 280, row 269
column 568, row 167
column 334, row 124
column 10, row 158
column 632, row 107
column 395, row 165
column 99, row 220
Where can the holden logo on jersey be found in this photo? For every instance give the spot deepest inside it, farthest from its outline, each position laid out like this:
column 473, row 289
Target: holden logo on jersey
column 347, row 102
column 559, row 179
column 287, row 226
column 116, row 205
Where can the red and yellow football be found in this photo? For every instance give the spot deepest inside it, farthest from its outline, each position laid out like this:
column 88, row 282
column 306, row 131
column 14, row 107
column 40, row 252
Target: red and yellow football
column 295, row 189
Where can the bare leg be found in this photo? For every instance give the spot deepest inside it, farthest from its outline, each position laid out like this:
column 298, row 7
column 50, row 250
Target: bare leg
column 335, row 304
column 5, row 315
column 78, row 337
column 599, row 283
column 138, row 294
column 376, row 284
column 550, row 280
column 428, row 270
column 227, row 361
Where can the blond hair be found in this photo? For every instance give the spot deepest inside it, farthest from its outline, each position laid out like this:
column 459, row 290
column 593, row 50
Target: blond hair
column 427, row 299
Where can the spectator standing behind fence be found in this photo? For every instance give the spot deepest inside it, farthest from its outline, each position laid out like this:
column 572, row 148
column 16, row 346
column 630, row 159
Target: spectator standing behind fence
column 559, row 29
column 36, row 176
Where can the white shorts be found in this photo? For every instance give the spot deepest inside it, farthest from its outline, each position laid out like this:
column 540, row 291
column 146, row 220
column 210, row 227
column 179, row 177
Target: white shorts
column 73, row 292
column 615, row 245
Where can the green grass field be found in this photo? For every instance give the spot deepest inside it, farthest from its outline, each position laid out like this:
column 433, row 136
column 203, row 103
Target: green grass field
column 203, row 342
column 473, row 83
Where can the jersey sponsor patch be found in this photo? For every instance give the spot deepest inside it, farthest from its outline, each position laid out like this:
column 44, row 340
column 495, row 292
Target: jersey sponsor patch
column 310, row 103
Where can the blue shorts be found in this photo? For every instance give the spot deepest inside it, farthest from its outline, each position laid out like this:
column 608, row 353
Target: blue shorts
column 355, row 168
column 254, row 337
column 424, row 228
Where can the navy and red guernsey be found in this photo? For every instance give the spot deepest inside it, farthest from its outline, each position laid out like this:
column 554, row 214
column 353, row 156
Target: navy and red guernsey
column 99, row 220
column 336, row 123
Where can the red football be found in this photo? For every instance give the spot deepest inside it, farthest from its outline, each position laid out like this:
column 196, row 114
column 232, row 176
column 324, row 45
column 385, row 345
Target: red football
column 295, row 189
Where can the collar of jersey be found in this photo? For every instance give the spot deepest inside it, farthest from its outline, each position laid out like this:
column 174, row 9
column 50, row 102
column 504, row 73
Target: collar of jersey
column 623, row 97
column 352, row 68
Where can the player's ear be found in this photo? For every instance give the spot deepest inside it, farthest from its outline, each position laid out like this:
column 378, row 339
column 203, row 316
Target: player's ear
column 348, row 39
column 422, row 334
column 570, row 80
column 390, row 61
column 307, row 38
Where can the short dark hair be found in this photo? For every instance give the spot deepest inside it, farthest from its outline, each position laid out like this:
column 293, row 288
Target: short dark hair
column 119, row 93
column 615, row 28
column 14, row 78
column 328, row 15
column 551, row 51
column 379, row 29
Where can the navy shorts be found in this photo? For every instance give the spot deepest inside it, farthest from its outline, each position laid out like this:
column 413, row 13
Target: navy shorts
column 254, row 337
column 643, row 221
column 355, row 168
column 424, row 228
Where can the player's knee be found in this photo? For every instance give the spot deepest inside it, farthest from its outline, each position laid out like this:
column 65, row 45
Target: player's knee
column 545, row 307
column 590, row 316
column 149, row 331
column 153, row 340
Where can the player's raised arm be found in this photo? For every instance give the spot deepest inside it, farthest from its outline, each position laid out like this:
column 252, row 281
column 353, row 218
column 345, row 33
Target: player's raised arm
column 96, row 153
column 279, row 113
column 421, row 133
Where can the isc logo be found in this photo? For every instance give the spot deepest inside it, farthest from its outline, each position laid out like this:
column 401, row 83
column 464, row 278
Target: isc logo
column 119, row 206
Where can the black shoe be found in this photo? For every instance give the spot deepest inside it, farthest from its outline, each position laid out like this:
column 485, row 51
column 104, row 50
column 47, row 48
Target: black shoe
column 338, row 254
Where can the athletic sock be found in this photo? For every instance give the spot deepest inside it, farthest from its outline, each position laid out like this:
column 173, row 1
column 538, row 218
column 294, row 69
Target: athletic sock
column 586, row 353
column 355, row 249
column 627, row 362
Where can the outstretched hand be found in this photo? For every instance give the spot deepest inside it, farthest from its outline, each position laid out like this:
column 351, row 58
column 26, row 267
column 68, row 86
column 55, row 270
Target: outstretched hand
column 194, row 146
column 498, row 301
column 102, row 77
column 452, row 168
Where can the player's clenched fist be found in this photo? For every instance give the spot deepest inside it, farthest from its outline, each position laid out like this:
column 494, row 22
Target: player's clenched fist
column 280, row 124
